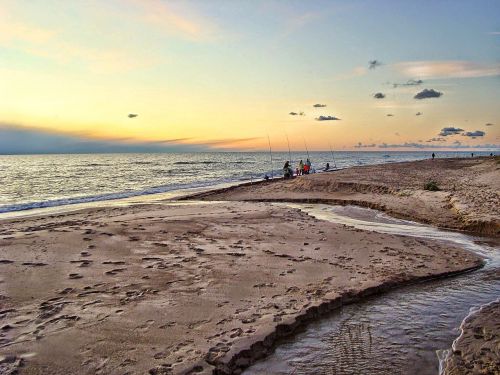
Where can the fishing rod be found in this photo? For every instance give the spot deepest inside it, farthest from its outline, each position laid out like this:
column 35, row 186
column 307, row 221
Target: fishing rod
column 289, row 152
column 271, row 155
column 305, row 144
column 333, row 157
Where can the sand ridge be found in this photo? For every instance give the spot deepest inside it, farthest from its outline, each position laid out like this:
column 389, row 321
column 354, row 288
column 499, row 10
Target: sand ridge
column 469, row 196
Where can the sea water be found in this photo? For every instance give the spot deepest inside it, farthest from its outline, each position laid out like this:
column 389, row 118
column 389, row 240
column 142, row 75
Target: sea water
column 38, row 181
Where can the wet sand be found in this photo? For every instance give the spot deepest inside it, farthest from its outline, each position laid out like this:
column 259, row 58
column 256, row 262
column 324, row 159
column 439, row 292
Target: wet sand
column 469, row 197
column 477, row 350
column 185, row 288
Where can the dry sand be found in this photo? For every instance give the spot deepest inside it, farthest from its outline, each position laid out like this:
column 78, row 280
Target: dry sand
column 469, row 198
column 477, row 350
column 185, row 288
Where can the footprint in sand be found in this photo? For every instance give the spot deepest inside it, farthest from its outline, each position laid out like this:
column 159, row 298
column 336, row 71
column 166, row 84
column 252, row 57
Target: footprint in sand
column 34, row 264
column 75, row 276
column 115, row 271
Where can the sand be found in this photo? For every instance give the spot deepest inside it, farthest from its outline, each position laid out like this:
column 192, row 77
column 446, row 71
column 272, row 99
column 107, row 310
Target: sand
column 477, row 350
column 185, row 288
column 469, row 196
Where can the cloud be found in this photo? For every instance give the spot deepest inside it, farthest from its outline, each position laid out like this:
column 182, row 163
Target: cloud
column 493, row 33
column 477, row 133
column 327, row 118
column 447, row 69
column 425, row 94
column 389, row 115
column 361, row 145
column 489, row 124
column 450, row 131
column 17, row 139
column 379, row 95
column 297, row 114
column 436, row 140
column 410, row 82
column 372, row 64
column 418, row 114
column 454, row 145
column 319, row 105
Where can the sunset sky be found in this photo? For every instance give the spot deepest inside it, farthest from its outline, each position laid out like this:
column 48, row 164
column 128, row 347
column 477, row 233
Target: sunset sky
column 226, row 74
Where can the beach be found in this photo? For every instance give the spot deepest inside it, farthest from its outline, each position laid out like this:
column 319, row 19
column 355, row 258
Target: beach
column 468, row 196
column 208, row 286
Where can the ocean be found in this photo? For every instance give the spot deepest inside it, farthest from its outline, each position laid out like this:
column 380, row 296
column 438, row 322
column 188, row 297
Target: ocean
column 37, row 181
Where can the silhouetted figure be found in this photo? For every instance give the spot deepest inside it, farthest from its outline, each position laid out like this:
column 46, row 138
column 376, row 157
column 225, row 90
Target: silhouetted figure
column 327, row 166
column 433, row 156
column 287, row 171
column 471, row 154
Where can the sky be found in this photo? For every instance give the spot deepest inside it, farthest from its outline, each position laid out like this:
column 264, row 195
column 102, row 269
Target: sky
column 240, row 75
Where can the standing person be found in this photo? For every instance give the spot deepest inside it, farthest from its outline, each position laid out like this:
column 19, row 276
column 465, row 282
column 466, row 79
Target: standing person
column 308, row 164
column 287, row 171
column 301, row 167
column 433, row 156
column 471, row 154
column 327, row 166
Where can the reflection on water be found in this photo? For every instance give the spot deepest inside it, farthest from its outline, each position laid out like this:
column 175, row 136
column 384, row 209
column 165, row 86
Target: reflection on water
column 399, row 332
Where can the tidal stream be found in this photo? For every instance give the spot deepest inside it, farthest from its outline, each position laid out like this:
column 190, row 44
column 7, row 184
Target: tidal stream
column 405, row 331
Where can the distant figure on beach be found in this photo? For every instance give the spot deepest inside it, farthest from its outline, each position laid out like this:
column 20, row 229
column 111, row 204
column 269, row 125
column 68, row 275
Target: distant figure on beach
column 491, row 153
column 266, row 177
column 287, row 171
column 471, row 154
column 433, row 156
column 307, row 166
column 327, row 166
column 301, row 168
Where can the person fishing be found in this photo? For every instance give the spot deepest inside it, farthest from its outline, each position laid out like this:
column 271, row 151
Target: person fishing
column 287, row 171
column 301, row 167
column 307, row 166
column 433, row 156
column 327, row 167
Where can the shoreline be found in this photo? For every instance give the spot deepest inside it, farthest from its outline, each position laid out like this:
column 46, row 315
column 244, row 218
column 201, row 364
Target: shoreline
column 210, row 287
column 452, row 207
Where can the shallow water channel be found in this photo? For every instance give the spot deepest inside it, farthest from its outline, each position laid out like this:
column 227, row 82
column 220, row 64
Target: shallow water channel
column 400, row 332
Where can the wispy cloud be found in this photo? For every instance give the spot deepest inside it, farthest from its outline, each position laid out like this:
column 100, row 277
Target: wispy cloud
column 447, row 69
column 454, row 145
column 474, row 134
column 327, row 118
column 450, row 130
column 361, row 145
column 174, row 18
column 372, row 64
column 21, row 139
column 379, row 95
column 410, row 82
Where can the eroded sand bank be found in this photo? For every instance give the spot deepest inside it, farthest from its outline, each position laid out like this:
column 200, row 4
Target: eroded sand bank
column 469, row 196
column 477, row 350
column 185, row 288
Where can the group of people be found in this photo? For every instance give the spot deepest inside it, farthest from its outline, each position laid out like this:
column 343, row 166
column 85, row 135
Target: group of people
column 302, row 169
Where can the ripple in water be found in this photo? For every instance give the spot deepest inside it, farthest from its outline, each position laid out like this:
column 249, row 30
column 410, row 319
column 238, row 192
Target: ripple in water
column 400, row 332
